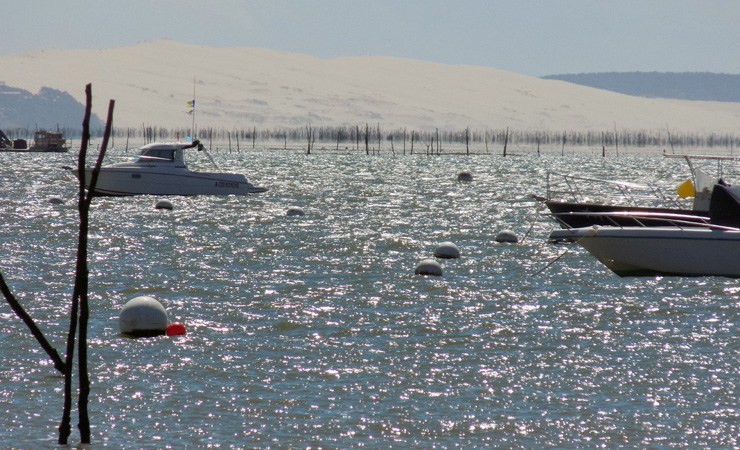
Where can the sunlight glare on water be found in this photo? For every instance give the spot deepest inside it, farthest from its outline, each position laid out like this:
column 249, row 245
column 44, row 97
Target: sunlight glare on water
column 314, row 331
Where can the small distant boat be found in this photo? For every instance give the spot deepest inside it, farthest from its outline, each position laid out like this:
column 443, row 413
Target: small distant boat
column 43, row 142
column 683, row 245
column 160, row 170
column 48, row 141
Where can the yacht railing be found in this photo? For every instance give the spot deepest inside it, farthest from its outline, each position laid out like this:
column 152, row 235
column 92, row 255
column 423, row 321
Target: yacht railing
column 622, row 219
column 586, row 189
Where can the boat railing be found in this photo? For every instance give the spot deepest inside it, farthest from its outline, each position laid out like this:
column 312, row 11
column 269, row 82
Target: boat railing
column 622, row 219
column 586, row 189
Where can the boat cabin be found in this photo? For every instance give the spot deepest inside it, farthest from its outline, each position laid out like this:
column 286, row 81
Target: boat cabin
column 49, row 141
column 169, row 152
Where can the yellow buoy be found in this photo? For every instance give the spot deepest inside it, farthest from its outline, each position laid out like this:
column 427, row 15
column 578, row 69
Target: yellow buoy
column 685, row 189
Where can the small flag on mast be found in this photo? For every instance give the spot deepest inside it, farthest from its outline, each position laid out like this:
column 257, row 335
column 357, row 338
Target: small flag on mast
column 191, row 104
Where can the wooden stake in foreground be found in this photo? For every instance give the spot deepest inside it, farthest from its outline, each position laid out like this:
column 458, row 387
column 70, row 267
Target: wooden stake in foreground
column 79, row 296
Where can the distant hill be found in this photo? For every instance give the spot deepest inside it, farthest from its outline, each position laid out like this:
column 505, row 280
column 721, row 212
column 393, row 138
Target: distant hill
column 48, row 109
column 705, row 86
column 243, row 88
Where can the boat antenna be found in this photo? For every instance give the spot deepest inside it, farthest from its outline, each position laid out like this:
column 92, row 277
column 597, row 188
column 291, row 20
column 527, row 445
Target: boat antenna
column 195, row 133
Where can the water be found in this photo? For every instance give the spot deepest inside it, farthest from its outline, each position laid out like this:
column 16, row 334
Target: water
column 314, row 332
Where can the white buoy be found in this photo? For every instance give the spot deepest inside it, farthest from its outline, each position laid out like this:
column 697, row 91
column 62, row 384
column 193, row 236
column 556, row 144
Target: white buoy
column 465, row 175
column 429, row 267
column 143, row 316
column 295, row 211
column 507, row 236
column 56, row 200
column 163, row 204
column 447, row 250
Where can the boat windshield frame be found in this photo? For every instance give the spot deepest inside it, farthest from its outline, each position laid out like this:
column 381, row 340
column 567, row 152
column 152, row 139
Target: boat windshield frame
column 169, row 152
column 157, row 154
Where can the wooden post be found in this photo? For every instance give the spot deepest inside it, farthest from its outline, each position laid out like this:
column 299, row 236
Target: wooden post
column 23, row 315
column 562, row 150
column 439, row 144
column 80, row 292
column 367, row 133
column 378, row 137
column 616, row 139
column 404, row 140
column 467, row 141
column 309, row 132
column 506, row 140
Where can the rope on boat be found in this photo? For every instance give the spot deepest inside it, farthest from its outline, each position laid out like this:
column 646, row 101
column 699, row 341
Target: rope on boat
column 591, row 233
column 531, row 225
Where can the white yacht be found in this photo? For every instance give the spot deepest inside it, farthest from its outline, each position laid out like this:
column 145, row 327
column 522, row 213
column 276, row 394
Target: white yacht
column 160, row 170
column 683, row 245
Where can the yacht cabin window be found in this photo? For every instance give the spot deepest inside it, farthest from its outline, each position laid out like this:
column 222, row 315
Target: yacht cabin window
column 157, row 154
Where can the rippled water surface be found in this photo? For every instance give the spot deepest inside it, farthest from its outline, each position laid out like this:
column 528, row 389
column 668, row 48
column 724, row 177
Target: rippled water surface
column 314, row 331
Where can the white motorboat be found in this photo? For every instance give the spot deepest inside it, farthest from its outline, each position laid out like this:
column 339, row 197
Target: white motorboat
column 160, row 170
column 683, row 245
column 664, row 250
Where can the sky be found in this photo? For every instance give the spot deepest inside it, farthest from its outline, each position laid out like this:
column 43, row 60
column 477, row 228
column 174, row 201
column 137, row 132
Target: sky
column 532, row 37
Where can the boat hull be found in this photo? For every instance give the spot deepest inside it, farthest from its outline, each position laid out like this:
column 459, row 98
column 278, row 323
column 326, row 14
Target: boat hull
column 650, row 251
column 116, row 181
column 572, row 215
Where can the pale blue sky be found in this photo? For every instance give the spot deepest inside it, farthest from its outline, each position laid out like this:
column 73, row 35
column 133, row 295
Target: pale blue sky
column 534, row 37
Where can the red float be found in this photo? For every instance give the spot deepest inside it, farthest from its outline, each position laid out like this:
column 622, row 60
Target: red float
column 175, row 329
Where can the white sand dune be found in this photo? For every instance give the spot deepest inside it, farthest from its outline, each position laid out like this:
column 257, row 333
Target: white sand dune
column 241, row 88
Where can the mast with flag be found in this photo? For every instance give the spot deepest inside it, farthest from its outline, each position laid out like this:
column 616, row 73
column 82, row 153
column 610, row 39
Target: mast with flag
column 191, row 111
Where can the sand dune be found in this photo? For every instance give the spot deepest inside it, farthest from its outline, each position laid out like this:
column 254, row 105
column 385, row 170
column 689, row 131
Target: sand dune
column 244, row 87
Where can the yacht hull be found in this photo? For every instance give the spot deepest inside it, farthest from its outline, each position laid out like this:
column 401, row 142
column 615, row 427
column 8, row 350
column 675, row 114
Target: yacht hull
column 121, row 181
column 649, row 251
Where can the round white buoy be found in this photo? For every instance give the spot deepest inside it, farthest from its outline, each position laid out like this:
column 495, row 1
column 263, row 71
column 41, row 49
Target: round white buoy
column 465, row 175
column 143, row 316
column 507, row 236
column 447, row 250
column 56, row 200
column 295, row 211
column 163, row 204
column 429, row 267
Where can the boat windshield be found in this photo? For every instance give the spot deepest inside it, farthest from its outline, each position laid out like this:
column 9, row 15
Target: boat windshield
column 155, row 154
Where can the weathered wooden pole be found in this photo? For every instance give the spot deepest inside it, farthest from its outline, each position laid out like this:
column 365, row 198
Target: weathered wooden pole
column 467, row 141
column 486, row 139
column 80, row 292
column 20, row 312
column 367, row 134
column 404, row 140
column 378, row 137
column 506, row 140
